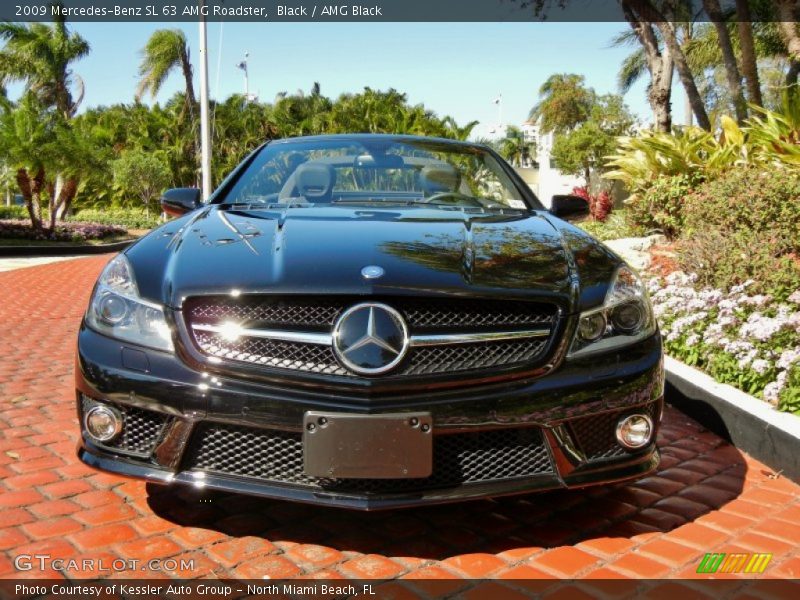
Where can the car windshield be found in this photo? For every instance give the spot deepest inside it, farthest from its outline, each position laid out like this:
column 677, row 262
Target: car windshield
column 376, row 172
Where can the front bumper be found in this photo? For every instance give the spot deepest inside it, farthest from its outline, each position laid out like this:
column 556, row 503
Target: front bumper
column 188, row 427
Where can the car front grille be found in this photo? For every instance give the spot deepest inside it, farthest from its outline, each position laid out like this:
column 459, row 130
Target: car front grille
column 276, row 457
column 141, row 429
column 317, row 315
column 278, row 354
column 596, row 434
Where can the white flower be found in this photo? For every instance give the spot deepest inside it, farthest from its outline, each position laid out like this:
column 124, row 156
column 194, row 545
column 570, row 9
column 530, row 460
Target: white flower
column 692, row 339
column 757, row 300
column 760, row 327
column 738, row 289
column 760, row 366
column 795, row 297
column 677, row 278
column 746, row 358
column 773, row 389
column 788, row 357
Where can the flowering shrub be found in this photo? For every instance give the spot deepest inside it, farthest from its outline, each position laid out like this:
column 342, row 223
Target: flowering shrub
column 744, row 225
column 64, row 232
column 749, row 341
column 600, row 205
column 661, row 206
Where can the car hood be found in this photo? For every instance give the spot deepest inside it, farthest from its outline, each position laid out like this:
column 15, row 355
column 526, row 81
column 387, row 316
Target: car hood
column 322, row 250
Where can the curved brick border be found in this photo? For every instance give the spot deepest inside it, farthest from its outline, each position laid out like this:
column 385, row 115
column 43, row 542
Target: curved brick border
column 707, row 496
column 751, row 424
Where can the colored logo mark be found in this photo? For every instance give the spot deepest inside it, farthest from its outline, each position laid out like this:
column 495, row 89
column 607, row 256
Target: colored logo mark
column 721, row 562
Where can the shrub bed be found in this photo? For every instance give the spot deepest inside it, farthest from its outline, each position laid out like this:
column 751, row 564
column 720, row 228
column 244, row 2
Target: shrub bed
column 749, row 340
column 64, row 232
column 617, row 225
column 13, row 212
column 744, row 225
column 661, row 207
column 130, row 219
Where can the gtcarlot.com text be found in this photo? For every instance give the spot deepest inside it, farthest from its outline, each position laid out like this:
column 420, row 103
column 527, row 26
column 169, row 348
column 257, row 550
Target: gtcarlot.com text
column 27, row 562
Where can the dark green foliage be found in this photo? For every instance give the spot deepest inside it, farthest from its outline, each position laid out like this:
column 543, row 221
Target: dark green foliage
column 13, row 212
column 745, row 225
column 661, row 206
column 129, row 219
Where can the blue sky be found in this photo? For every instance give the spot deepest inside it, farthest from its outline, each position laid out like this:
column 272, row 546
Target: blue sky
column 453, row 68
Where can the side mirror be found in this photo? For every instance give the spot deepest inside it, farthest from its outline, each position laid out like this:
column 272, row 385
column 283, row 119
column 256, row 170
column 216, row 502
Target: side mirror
column 179, row 201
column 568, row 207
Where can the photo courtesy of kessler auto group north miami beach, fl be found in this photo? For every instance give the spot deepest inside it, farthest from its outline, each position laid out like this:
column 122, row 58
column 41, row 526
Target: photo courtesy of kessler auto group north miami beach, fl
column 420, row 299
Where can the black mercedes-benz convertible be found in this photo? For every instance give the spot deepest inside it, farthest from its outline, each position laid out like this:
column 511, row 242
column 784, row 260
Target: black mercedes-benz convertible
column 370, row 321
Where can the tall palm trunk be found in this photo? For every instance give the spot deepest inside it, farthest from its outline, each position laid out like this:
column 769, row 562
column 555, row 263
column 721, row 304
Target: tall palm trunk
column 667, row 30
column 714, row 11
column 52, row 205
column 788, row 27
column 186, row 67
column 68, row 193
column 747, row 46
column 659, row 64
column 688, row 117
column 31, row 189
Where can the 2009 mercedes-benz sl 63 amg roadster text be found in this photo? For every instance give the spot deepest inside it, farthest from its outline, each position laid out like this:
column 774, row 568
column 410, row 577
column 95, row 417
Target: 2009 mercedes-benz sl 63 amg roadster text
column 370, row 321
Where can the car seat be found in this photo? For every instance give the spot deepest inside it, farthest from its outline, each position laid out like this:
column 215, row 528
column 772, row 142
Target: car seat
column 438, row 179
column 314, row 182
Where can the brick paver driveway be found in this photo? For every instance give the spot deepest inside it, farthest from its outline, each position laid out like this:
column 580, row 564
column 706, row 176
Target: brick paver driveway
column 706, row 497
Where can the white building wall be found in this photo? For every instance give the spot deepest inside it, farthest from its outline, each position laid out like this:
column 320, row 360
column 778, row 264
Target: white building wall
column 551, row 181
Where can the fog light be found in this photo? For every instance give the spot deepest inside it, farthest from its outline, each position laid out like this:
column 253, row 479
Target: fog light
column 634, row 431
column 103, row 423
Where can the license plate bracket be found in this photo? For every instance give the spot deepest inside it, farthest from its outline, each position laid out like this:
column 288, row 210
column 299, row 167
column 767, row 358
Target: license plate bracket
column 356, row 446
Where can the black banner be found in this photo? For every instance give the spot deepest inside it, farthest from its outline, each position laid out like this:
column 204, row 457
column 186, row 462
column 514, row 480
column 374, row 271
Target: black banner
column 333, row 589
column 360, row 10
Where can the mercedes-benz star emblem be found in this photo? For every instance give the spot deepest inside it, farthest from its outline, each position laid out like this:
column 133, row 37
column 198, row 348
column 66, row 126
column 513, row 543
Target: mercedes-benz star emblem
column 370, row 338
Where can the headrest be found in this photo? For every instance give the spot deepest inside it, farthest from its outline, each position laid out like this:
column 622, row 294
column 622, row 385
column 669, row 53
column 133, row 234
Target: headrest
column 439, row 178
column 315, row 181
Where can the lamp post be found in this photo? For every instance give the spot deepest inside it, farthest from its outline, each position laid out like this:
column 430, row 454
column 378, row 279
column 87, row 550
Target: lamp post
column 499, row 102
column 243, row 66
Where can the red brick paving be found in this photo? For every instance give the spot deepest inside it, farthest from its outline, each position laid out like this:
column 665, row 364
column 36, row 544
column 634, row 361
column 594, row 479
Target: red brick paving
column 707, row 496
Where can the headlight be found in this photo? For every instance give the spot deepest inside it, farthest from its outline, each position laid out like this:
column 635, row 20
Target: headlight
column 625, row 317
column 117, row 311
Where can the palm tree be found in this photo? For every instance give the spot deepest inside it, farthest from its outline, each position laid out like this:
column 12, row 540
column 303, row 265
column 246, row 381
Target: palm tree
column 564, row 103
column 28, row 146
column 515, row 149
column 747, row 45
column 453, row 130
column 166, row 50
column 40, row 55
column 714, row 11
